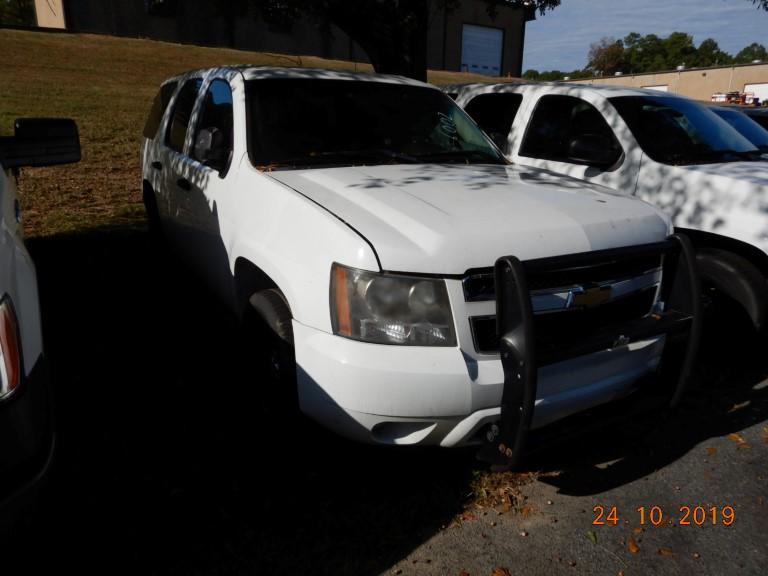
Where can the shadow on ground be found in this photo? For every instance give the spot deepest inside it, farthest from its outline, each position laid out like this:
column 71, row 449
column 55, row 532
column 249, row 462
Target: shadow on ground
column 167, row 463
column 623, row 442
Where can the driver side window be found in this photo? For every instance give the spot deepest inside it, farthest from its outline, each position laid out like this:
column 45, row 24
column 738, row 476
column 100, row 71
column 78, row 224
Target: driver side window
column 214, row 137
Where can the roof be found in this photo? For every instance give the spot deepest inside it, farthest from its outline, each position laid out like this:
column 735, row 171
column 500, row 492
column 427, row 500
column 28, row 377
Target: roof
column 276, row 72
column 569, row 87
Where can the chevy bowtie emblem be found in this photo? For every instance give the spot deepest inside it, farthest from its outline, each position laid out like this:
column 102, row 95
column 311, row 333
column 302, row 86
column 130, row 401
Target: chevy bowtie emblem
column 590, row 297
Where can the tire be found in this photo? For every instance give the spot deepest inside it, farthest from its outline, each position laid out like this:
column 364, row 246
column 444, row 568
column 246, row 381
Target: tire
column 154, row 225
column 269, row 345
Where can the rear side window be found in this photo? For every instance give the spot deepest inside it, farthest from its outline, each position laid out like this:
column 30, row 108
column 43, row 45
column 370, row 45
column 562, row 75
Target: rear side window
column 494, row 113
column 158, row 109
column 560, row 120
column 182, row 114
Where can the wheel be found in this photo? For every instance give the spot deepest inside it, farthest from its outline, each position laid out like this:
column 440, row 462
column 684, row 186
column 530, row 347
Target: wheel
column 269, row 342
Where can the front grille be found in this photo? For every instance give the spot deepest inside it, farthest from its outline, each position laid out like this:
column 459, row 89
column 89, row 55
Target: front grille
column 563, row 326
column 557, row 331
column 479, row 283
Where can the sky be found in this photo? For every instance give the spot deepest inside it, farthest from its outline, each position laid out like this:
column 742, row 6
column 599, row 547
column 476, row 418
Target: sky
column 560, row 39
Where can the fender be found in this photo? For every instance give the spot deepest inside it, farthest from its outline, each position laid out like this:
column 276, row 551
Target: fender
column 735, row 268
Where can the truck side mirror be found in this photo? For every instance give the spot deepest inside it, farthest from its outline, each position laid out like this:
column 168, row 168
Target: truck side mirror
column 40, row 142
column 210, row 148
column 592, row 149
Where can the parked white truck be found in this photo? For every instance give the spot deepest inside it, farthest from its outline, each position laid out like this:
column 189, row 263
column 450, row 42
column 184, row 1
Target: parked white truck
column 671, row 151
column 426, row 291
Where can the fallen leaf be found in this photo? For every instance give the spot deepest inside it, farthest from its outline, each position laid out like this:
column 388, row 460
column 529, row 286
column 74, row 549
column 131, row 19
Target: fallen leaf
column 665, row 551
column 638, row 530
column 744, row 446
column 736, row 437
column 464, row 573
column 526, row 511
column 711, row 451
column 736, row 407
column 499, row 571
column 632, row 545
column 592, row 536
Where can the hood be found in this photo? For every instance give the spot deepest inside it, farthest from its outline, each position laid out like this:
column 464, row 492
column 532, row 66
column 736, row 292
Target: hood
column 446, row 219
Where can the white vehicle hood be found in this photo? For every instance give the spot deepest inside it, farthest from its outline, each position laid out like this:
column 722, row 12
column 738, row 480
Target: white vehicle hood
column 446, row 219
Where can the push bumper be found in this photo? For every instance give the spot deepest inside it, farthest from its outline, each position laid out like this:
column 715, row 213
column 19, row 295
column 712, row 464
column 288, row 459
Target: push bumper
column 680, row 321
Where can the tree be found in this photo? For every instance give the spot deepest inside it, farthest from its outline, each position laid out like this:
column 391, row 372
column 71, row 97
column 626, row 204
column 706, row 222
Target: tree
column 606, row 57
column 752, row 52
column 679, row 50
column 709, row 54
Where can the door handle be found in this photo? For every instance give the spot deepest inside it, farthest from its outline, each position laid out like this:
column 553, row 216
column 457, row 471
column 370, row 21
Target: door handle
column 184, row 184
column 157, row 165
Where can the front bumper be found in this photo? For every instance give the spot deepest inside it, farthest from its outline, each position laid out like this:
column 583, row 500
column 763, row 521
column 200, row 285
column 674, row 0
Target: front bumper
column 444, row 396
column 27, row 442
column 440, row 396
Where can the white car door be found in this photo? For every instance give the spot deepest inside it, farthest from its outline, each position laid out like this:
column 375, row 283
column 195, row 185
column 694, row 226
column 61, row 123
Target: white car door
column 577, row 134
column 154, row 153
column 175, row 165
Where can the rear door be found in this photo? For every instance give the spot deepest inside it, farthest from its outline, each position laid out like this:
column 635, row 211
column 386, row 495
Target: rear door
column 175, row 164
column 152, row 150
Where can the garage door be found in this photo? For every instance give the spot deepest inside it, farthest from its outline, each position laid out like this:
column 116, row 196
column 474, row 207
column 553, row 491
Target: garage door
column 759, row 90
column 481, row 49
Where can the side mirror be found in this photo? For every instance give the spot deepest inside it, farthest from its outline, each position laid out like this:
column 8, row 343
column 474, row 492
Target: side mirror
column 593, row 149
column 210, row 148
column 40, row 142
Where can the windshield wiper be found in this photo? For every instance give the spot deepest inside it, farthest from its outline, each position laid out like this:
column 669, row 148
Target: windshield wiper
column 343, row 157
column 462, row 155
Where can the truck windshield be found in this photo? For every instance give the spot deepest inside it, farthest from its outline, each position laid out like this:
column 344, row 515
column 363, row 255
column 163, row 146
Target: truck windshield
column 747, row 127
column 681, row 132
column 310, row 122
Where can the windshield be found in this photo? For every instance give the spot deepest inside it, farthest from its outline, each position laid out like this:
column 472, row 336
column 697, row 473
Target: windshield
column 678, row 131
column 747, row 127
column 302, row 122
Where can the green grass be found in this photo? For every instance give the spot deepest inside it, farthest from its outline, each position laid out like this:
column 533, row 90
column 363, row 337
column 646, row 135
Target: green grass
column 107, row 85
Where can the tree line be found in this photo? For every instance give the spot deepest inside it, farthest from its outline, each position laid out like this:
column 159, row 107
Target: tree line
column 636, row 54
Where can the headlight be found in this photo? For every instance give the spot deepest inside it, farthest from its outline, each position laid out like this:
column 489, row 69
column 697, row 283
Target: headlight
column 10, row 357
column 390, row 309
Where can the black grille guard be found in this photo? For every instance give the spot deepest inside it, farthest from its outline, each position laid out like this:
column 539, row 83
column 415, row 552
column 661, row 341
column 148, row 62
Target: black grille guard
column 680, row 291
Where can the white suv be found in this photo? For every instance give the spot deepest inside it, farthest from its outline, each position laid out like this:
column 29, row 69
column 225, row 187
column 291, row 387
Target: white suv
column 361, row 218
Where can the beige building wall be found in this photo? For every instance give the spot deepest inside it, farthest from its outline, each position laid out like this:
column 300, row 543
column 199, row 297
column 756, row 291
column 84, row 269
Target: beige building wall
column 698, row 83
column 50, row 13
